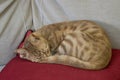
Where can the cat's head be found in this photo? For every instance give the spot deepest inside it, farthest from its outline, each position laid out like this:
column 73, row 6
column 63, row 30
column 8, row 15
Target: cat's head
column 24, row 54
column 35, row 47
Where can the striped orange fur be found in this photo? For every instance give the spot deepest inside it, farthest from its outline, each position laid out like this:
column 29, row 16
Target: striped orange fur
column 82, row 44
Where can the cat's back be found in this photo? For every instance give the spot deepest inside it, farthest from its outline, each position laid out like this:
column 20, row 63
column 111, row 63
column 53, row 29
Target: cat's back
column 87, row 27
column 78, row 25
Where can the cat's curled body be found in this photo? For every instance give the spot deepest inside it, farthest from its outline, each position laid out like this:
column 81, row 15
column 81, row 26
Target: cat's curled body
column 82, row 44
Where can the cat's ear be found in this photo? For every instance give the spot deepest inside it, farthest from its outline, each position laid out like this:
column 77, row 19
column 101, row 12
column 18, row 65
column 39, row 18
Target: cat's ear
column 35, row 34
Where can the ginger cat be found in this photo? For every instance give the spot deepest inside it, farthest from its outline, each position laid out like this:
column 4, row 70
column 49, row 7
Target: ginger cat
column 82, row 44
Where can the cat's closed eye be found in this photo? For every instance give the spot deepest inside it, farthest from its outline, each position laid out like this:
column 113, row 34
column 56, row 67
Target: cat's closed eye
column 37, row 38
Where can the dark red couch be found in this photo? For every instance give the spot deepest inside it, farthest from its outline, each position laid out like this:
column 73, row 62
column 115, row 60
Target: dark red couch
column 19, row 69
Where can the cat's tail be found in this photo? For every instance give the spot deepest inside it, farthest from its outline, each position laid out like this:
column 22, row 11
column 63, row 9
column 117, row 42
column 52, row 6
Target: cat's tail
column 72, row 61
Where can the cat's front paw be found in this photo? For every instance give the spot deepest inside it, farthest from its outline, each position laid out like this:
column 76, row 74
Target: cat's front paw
column 34, row 60
column 44, row 60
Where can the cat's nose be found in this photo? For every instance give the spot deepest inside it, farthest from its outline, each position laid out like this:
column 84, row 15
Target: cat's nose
column 17, row 51
column 22, row 55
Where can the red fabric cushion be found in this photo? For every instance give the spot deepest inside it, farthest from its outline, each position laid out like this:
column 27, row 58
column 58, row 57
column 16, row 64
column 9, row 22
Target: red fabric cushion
column 26, row 35
column 19, row 69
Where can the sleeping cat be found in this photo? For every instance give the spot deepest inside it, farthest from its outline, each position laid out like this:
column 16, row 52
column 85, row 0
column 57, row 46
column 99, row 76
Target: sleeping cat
column 82, row 44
